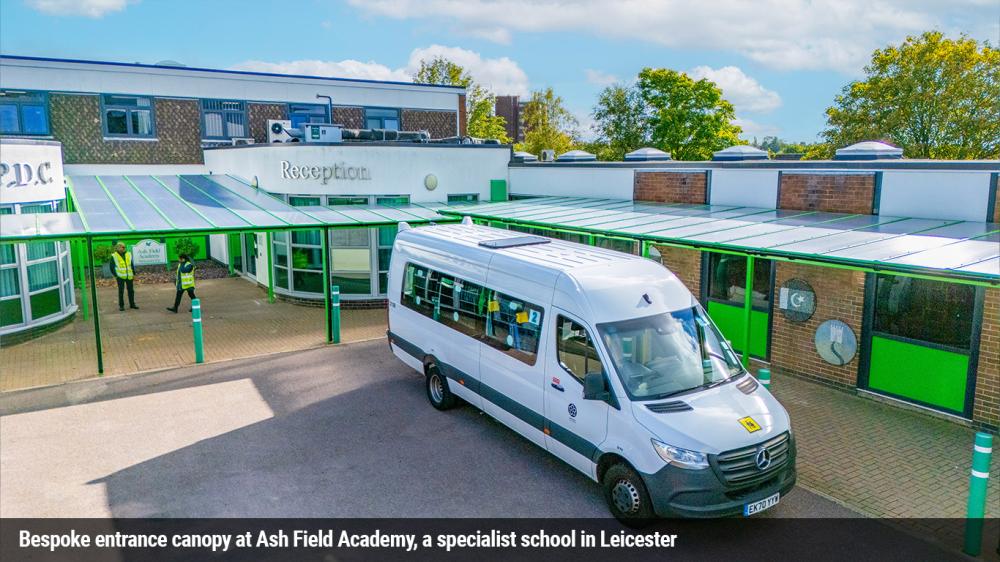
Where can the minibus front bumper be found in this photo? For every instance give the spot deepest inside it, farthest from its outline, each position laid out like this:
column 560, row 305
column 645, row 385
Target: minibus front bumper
column 680, row 492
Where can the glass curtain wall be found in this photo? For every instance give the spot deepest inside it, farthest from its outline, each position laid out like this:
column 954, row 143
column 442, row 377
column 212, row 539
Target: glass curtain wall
column 36, row 278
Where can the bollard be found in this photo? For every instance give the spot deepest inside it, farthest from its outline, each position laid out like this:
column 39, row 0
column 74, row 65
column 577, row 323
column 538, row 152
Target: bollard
column 981, row 453
column 335, row 312
column 199, row 351
column 764, row 378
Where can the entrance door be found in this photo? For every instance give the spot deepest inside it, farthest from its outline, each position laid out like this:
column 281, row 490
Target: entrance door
column 920, row 344
column 725, row 289
column 250, row 254
column 574, row 426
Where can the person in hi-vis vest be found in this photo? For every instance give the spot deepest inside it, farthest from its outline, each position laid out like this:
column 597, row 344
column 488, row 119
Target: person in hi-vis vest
column 185, row 281
column 121, row 264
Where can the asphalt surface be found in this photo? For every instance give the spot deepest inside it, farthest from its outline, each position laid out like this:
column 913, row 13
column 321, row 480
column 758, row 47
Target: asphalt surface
column 332, row 432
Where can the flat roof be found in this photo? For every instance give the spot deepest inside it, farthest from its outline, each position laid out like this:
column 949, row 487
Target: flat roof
column 947, row 249
column 164, row 205
column 791, row 166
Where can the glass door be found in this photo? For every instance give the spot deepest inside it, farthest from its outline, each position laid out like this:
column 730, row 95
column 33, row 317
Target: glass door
column 250, row 254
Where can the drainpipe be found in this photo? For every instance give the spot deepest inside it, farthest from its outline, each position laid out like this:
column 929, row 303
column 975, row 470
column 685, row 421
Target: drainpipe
column 329, row 103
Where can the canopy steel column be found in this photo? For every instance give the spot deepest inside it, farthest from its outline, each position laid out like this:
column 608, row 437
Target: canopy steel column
column 270, row 266
column 81, row 275
column 747, row 312
column 93, row 298
column 326, row 284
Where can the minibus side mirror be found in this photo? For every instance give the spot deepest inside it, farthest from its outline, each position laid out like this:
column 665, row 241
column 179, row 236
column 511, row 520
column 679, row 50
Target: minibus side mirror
column 593, row 387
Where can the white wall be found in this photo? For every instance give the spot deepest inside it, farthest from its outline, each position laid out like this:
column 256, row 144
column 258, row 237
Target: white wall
column 745, row 188
column 30, row 171
column 935, row 194
column 611, row 183
column 63, row 76
column 218, row 246
column 396, row 169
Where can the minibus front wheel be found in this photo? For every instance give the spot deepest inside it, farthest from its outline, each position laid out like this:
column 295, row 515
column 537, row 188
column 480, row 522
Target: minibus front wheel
column 627, row 496
column 438, row 392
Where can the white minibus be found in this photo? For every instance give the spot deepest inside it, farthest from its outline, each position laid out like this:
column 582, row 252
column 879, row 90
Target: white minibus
column 604, row 359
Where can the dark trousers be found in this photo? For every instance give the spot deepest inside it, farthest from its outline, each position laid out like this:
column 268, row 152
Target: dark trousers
column 180, row 294
column 122, row 283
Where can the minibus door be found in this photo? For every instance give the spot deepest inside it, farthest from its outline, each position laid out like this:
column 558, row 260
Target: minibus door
column 574, row 427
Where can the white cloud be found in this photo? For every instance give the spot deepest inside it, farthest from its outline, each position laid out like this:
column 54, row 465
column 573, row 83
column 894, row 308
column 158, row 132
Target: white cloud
column 744, row 92
column 500, row 75
column 784, row 34
column 753, row 129
column 87, row 8
column 599, row 78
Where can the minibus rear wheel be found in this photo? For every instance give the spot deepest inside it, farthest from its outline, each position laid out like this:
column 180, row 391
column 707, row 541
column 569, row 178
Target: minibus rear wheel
column 437, row 389
column 627, row 497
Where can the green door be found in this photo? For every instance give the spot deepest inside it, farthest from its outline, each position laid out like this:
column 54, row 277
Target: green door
column 725, row 288
column 919, row 348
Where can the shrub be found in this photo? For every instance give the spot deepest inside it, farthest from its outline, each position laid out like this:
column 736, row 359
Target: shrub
column 186, row 246
column 103, row 253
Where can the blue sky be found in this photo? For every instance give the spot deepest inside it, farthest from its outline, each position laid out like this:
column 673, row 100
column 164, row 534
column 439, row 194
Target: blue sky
column 780, row 62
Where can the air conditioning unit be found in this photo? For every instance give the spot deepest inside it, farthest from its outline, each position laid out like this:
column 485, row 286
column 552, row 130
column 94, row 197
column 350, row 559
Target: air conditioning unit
column 240, row 141
column 280, row 130
column 548, row 155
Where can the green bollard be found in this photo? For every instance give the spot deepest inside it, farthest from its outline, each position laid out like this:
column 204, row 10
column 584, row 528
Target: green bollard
column 981, row 453
column 335, row 312
column 764, row 378
column 199, row 351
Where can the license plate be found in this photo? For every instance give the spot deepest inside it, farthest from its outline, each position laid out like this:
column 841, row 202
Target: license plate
column 758, row 506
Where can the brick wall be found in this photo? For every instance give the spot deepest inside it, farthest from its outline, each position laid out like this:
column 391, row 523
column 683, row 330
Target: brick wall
column 686, row 265
column 439, row 123
column 349, row 117
column 986, row 407
column 508, row 108
column 840, row 294
column 996, row 198
column 259, row 114
column 463, row 117
column 833, row 193
column 76, row 122
column 670, row 187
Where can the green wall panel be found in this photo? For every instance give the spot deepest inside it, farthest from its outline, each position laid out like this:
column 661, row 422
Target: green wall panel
column 498, row 190
column 729, row 319
column 44, row 304
column 929, row 375
column 10, row 312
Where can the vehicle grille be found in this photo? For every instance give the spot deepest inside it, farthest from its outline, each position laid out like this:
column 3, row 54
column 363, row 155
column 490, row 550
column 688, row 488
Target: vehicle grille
column 667, row 407
column 738, row 467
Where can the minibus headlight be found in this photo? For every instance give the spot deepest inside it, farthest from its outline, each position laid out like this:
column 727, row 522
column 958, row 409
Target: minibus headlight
column 681, row 458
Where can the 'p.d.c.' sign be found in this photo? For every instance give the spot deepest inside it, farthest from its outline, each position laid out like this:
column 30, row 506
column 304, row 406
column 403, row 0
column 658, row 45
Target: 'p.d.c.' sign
column 149, row 252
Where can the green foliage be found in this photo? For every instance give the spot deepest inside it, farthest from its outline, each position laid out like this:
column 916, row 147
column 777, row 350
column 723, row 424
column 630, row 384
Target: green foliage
column 932, row 96
column 620, row 122
column 479, row 102
column 775, row 145
column 687, row 118
column 547, row 124
column 186, row 246
column 103, row 253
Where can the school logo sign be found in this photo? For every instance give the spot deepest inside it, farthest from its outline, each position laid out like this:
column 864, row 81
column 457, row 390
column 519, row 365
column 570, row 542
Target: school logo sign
column 149, row 252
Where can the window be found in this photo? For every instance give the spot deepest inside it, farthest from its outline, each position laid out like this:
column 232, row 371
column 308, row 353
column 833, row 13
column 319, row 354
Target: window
column 346, row 200
column 728, row 278
column 575, row 349
column 386, row 236
column 223, row 119
column 506, row 323
column 127, row 116
column 24, row 113
column 617, row 244
column 376, row 118
column 924, row 310
column 301, row 113
column 463, row 198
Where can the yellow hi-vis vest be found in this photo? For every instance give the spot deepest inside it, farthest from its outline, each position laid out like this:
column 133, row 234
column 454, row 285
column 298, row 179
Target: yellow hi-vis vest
column 187, row 279
column 123, row 266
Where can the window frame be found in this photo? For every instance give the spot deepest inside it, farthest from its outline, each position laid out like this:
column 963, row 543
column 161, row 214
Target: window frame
column 760, row 265
column 226, row 136
column 128, row 109
column 382, row 118
column 19, row 105
column 454, row 198
column 292, row 106
column 560, row 318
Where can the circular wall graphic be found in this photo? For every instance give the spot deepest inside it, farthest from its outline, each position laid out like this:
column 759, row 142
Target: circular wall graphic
column 430, row 182
column 796, row 300
column 836, row 342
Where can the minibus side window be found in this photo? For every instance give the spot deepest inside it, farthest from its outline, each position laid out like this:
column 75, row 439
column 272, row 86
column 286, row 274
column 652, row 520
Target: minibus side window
column 417, row 284
column 513, row 326
column 575, row 349
column 461, row 305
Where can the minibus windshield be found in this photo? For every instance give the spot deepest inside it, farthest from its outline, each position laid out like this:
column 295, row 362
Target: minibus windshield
column 667, row 354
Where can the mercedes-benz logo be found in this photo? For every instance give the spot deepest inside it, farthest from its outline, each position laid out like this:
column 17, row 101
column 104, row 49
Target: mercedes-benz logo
column 572, row 410
column 763, row 459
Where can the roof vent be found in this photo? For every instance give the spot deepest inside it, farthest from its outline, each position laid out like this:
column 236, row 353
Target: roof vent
column 669, row 407
column 576, row 156
column 739, row 153
column 869, row 150
column 647, row 154
column 525, row 156
column 514, row 242
column 168, row 62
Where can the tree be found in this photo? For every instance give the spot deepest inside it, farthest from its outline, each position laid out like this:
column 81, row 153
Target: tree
column 547, row 124
column 620, row 122
column 932, row 96
column 688, row 118
column 775, row 145
column 479, row 102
